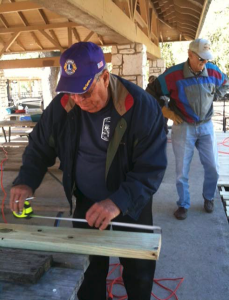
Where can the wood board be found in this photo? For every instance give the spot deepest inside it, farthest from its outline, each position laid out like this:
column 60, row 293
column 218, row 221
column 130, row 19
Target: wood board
column 23, row 267
column 56, row 284
column 81, row 241
column 61, row 281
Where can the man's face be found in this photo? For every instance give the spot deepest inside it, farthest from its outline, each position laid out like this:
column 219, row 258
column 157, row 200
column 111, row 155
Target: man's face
column 96, row 97
column 196, row 62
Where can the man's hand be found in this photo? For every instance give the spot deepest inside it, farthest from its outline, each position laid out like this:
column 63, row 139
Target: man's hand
column 18, row 194
column 167, row 113
column 101, row 213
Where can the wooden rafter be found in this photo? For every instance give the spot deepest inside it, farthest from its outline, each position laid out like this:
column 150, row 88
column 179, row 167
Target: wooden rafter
column 88, row 36
column 18, row 6
column 76, row 34
column 138, row 21
column 36, row 40
column 38, row 62
column 17, row 41
column 9, row 43
column 1, row 41
column 188, row 5
column 124, row 5
column 144, row 9
column 133, row 7
column 35, row 27
column 46, row 21
column 69, row 37
column 100, row 38
column 54, row 42
column 4, row 22
column 26, row 23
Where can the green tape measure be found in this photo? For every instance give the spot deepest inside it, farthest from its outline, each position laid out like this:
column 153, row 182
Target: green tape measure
column 26, row 212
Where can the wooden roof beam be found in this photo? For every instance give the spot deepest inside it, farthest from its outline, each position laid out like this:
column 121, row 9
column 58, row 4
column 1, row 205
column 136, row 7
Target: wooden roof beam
column 36, row 27
column 179, row 16
column 88, row 36
column 9, row 43
column 101, row 17
column 186, row 11
column 124, row 5
column 76, row 34
column 144, row 9
column 20, row 44
column 20, row 14
column 100, row 38
column 69, row 37
column 53, row 41
column 4, row 22
column 186, row 4
column 133, row 7
column 25, row 22
column 36, row 40
column 46, row 21
column 38, row 62
column 18, row 6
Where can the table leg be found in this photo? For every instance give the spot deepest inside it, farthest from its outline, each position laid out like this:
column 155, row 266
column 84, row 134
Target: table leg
column 4, row 133
column 9, row 133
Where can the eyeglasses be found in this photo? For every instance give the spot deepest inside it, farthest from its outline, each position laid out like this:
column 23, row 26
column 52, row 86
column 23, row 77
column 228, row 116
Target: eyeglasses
column 200, row 58
column 88, row 93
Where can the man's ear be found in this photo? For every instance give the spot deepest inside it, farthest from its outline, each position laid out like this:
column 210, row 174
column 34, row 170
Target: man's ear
column 106, row 78
column 190, row 54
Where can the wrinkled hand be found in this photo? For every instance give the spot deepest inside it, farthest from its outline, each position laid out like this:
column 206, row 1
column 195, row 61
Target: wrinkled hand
column 18, row 194
column 169, row 114
column 101, row 213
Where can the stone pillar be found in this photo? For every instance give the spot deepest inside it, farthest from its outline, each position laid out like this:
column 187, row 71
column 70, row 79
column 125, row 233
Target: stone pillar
column 129, row 62
column 49, row 80
column 156, row 67
column 3, row 90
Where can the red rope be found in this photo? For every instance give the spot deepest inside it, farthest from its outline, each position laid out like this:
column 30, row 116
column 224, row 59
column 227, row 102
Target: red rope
column 224, row 143
column 118, row 280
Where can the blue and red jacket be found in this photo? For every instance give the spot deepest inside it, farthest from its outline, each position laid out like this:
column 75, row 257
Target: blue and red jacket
column 191, row 96
column 136, row 154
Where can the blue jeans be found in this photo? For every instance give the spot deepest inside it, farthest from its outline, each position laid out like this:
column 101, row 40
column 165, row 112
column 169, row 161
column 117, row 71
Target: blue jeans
column 185, row 138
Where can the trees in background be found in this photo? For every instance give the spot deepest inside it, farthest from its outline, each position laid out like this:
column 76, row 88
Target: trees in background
column 216, row 29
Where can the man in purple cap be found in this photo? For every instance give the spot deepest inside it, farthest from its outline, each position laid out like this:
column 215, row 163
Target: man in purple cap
column 108, row 134
column 191, row 87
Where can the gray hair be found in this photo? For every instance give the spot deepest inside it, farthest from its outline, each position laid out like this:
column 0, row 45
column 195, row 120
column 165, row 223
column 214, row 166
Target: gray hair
column 100, row 73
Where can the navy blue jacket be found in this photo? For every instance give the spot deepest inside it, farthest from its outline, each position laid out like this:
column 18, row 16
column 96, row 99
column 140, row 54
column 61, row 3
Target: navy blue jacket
column 136, row 155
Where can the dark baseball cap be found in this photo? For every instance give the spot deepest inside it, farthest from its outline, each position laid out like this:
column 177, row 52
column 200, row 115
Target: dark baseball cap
column 79, row 65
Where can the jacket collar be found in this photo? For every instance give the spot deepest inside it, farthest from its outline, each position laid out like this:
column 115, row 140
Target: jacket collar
column 122, row 99
column 188, row 73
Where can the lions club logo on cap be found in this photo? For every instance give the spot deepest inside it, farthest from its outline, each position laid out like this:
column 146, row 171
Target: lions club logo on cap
column 70, row 67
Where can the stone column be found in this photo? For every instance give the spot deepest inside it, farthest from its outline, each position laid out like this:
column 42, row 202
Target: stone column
column 129, row 62
column 3, row 90
column 156, row 67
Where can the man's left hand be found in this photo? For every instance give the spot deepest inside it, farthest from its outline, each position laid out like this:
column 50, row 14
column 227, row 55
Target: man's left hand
column 101, row 213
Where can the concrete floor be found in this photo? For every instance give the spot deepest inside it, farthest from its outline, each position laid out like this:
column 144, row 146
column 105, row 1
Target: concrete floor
column 196, row 249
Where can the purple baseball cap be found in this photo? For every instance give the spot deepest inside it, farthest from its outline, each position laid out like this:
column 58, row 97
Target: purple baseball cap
column 79, row 65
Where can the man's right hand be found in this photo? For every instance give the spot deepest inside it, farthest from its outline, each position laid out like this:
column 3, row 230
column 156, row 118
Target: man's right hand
column 18, row 194
column 169, row 114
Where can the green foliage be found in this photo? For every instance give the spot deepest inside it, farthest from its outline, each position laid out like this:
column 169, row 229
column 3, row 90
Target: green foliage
column 167, row 54
column 220, row 48
column 215, row 29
